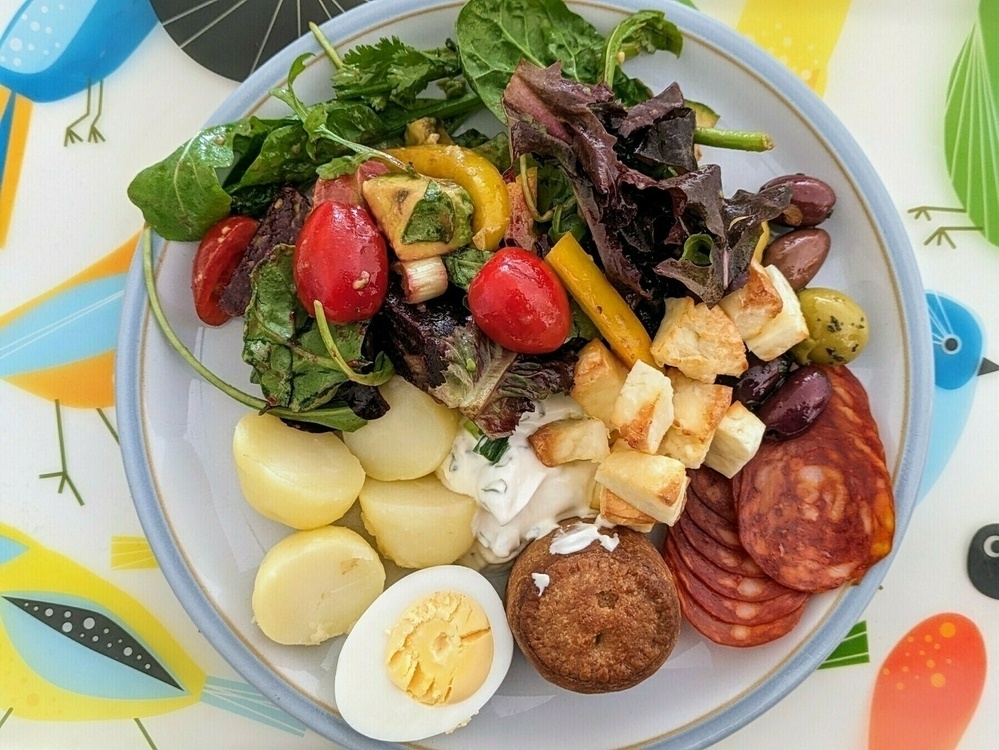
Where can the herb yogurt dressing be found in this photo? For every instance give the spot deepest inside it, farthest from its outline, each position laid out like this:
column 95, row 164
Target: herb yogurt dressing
column 519, row 498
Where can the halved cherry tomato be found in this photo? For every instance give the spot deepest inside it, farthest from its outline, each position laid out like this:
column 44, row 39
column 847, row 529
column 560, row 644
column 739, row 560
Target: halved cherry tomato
column 519, row 302
column 217, row 257
column 342, row 261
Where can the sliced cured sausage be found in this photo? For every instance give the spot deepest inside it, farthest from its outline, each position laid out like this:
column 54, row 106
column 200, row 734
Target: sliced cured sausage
column 719, row 528
column 724, row 608
column 732, row 585
column 817, row 511
column 729, row 634
column 733, row 560
column 714, row 490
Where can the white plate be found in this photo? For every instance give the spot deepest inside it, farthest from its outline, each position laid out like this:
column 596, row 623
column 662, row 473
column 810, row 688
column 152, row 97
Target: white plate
column 176, row 430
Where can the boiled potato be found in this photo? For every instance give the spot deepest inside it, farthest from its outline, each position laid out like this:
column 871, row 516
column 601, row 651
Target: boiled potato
column 313, row 585
column 419, row 522
column 410, row 441
column 301, row 479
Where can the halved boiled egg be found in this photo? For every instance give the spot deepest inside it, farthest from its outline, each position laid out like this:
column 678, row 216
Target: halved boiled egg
column 425, row 656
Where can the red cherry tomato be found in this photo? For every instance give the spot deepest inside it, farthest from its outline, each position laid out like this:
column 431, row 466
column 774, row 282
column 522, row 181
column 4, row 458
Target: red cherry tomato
column 217, row 257
column 341, row 260
column 519, row 302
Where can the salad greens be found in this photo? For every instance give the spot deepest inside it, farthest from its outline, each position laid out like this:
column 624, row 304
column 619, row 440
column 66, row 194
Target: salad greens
column 613, row 164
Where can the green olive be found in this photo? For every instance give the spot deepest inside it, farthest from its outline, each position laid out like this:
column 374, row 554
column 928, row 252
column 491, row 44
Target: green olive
column 837, row 327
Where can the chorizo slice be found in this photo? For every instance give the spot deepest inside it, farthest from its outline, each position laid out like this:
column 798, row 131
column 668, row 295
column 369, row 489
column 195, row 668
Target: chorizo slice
column 717, row 527
column 729, row 634
column 732, row 585
column 715, row 491
column 729, row 610
column 817, row 511
column 733, row 560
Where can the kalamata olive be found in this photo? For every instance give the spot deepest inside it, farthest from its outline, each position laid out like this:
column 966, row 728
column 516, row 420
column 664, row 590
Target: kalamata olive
column 837, row 327
column 798, row 255
column 760, row 380
column 795, row 406
column 812, row 200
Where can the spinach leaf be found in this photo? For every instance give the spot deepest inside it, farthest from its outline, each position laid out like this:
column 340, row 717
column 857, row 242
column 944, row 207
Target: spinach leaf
column 283, row 345
column 495, row 35
column 182, row 196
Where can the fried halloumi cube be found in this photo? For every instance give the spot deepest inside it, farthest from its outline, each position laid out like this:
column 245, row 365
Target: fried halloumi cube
column 754, row 304
column 698, row 409
column 597, row 380
column 568, row 440
column 736, row 440
column 785, row 330
column 700, row 341
column 655, row 485
column 643, row 410
column 619, row 512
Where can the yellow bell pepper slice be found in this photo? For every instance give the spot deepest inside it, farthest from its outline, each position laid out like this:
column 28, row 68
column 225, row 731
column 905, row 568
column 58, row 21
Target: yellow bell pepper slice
column 761, row 244
column 475, row 173
column 587, row 284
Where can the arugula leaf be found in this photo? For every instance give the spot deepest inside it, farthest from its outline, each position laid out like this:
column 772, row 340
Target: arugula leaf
column 495, row 35
column 644, row 31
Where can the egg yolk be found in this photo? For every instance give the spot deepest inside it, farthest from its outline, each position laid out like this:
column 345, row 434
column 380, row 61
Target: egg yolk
column 441, row 649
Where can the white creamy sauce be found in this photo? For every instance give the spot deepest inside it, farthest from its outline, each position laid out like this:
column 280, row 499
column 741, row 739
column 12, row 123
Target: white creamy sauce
column 541, row 580
column 579, row 536
column 519, row 498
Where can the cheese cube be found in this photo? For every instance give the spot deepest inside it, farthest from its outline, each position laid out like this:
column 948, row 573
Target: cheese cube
column 786, row 329
column 597, row 380
column 655, row 485
column 643, row 410
column 736, row 440
column 568, row 440
column 699, row 340
column 698, row 409
column 754, row 304
column 615, row 510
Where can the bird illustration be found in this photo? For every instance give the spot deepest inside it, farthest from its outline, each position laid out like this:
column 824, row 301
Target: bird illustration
column 52, row 49
column 958, row 361
column 61, row 345
column 73, row 647
column 971, row 134
column 803, row 40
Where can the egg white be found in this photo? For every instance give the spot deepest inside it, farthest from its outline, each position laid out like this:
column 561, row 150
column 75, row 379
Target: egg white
column 365, row 696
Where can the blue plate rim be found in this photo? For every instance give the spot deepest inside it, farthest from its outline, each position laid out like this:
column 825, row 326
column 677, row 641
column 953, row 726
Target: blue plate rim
column 912, row 455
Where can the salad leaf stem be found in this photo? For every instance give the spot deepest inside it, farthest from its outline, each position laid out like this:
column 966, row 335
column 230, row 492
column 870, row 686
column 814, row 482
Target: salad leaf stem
column 741, row 140
column 338, row 418
column 383, row 366
column 325, row 44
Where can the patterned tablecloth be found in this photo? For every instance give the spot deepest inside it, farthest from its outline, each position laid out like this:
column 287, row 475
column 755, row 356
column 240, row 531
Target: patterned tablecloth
column 92, row 90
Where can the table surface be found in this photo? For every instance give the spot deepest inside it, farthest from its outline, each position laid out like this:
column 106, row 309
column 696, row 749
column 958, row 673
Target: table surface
column 887, row 68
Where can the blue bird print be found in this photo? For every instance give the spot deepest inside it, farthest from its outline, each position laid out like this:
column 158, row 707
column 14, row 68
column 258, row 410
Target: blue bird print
column 958, row 360
column 52, row 49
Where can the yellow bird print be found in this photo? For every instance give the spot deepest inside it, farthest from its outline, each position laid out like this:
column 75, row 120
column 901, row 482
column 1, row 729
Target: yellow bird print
column 73, row 647
column 802, row 34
